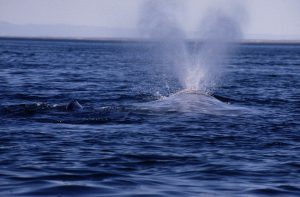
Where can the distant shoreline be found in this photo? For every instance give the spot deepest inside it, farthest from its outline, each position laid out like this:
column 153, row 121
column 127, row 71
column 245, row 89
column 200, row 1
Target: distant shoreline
column 85, row 39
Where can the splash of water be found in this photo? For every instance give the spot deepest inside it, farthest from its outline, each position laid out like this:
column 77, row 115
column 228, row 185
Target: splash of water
column 201, row 67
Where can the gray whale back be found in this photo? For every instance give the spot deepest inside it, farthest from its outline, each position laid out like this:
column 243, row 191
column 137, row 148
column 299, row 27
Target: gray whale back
column 192, row 101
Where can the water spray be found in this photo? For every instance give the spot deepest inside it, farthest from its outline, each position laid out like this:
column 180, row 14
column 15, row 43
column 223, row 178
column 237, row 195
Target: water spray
column 201, row 69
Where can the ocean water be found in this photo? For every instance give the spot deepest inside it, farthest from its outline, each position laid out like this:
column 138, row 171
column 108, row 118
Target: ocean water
column 139, row 133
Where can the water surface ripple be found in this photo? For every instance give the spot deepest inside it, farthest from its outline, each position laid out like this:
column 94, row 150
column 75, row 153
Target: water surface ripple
column 132, row 140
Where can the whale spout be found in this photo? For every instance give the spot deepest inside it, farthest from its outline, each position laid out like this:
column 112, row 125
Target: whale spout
column 74, row 106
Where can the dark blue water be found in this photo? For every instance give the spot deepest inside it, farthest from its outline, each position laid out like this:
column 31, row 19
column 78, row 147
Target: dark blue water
column 128, row 140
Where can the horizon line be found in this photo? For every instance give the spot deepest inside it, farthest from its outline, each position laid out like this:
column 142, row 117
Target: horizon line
column 131, row 39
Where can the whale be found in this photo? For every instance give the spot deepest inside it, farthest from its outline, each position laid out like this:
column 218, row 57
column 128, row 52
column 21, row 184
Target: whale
column 180, row 103
column 193, row 101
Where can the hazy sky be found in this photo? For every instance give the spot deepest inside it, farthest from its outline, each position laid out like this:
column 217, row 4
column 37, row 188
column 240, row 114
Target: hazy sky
column 278, row 18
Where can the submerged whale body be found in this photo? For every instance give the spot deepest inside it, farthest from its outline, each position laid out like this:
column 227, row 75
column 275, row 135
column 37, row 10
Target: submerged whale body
column 180, row 103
